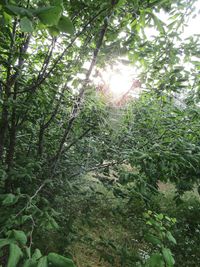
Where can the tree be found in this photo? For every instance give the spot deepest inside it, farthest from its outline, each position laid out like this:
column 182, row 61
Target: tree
column 49, row 113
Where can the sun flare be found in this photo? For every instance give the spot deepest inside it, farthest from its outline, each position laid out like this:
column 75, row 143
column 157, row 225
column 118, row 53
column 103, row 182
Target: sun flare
column 118, row 82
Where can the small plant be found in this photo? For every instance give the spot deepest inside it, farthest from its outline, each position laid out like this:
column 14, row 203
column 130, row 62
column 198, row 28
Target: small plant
column 160, row 237
column 20, row 253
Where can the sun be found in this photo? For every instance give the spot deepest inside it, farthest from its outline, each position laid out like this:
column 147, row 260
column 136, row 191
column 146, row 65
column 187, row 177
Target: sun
column 117, row 82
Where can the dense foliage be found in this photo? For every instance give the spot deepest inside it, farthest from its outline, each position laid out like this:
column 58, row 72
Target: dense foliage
column 77, row 174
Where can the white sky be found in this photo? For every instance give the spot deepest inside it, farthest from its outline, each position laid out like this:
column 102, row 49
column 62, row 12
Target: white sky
column 193, row 23
column 192, row 28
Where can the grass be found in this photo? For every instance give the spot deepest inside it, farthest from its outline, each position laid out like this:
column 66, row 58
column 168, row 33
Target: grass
column 108, row 239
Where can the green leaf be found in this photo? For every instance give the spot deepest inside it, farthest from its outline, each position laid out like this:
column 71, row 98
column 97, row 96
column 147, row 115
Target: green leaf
column 171, row 25
column 4, row 242
column 169, row 259
column 120, row 3
column 37, row 254
column 42, row 9
column 7, row 18
column 159, row 24
column 155, row 260
column 15, row 10
column 28, row 251
column 160, row 216
column 54, row 223
column 26, row 218
column 19, row 236
column 50, row 16
column 26, row 25
column 170, row 237
column 9, row 199
column 65, row 25
column 59, row 261
column 153, row 239
column 53, row 31
column 30, row 263
column 15, row 254
column 56, row 2
column 142, row 19
column 43, row 262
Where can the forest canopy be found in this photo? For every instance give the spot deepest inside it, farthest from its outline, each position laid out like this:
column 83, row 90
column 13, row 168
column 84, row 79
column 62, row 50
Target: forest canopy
column 99, row 133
